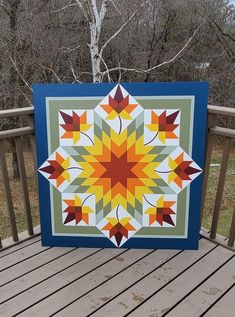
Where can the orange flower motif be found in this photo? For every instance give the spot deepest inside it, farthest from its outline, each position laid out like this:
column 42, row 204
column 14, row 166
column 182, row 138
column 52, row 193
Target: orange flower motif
column 77, row 211
column 161, row 212
column 163, row 125
column 119, row 106
column 74, row 126
column 57, row 169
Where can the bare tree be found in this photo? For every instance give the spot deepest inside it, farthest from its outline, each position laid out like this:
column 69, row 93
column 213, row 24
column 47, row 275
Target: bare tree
column 112, row 40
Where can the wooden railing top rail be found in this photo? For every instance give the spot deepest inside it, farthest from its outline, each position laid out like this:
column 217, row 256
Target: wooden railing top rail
column 229, row 133
column 16, row 112
column 218, row 110
column 5, row 134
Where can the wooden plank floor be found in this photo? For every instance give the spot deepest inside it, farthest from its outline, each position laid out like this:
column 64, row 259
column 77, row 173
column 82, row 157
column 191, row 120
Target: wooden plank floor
column 42, row 281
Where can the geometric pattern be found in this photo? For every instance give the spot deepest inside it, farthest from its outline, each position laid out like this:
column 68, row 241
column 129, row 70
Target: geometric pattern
column 76, row 127
column 162, row 127
column 159, row 209
column 118, row 109
column 118, row 226
column 78, row 209
column 178, row 170
column 119, row 167
column 60, row 169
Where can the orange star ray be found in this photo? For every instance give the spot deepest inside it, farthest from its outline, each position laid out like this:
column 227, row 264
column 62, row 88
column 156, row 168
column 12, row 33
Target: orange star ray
column 105, row 156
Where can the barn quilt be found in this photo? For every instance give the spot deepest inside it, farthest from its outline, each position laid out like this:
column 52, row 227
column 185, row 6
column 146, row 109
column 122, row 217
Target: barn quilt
column 120, row 165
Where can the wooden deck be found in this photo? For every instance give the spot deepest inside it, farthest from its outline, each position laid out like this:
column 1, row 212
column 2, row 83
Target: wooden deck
column 42, row 281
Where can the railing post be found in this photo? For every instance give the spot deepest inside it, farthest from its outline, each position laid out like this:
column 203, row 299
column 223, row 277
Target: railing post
column 220, row 188
column 30, row 120
column 7, row 188
column 211, row 122
column 24, row 184
column 232, row 231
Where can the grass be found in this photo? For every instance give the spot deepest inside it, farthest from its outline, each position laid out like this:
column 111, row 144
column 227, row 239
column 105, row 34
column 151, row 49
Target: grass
column 228, row 202
column 17, row 197
column 226, row 210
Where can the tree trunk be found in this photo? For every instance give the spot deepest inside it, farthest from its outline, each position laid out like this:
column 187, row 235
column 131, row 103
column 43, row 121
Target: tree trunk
column 94, row 52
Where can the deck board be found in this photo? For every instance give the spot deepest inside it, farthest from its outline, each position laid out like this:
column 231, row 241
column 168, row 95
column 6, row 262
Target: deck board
column 85, row 284
column 19, row 246
column 167, row 297
column 136, row 294
column 208, row 293
column 21, row 255
column 224, row 307
column 44, row 272
column 31, row 264
column 112, row 288
column 40, row 281
column 52, row 284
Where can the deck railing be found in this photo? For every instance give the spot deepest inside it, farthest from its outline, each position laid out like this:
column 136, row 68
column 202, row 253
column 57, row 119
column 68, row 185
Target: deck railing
column 227, row 134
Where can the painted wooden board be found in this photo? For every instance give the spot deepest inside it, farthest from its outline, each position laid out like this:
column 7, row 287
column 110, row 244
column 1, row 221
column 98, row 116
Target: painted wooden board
column 120, row 165
column 85, row 284
column 167, row 297
column 205, row 295
column 107, row 291
column 18, row 246
column 44, row 272
column 136, row 294
column 31, row 264
column 224, row 307
column 57, row 282
column 21, row 255
column 93, row 281
column 52, row 269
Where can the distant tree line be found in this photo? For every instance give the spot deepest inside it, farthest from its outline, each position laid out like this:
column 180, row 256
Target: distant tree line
column 63, row 40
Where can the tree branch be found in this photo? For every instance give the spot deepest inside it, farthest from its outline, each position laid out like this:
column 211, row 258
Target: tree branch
column 26, row 97
column 123, row 26
column 223, row 33
column 53, row 72
column 103, row 10
column 159, row 65
column 94, row 10
column 81, row 7
column 74, row 75
column 107, row 69
column 65, row 7
column 115, row 6
column 70, row 49
column 18, row 72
